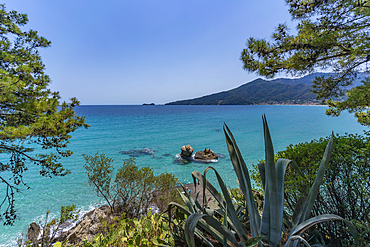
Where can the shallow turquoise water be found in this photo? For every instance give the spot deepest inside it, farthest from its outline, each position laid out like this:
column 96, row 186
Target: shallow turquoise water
column 165, row 129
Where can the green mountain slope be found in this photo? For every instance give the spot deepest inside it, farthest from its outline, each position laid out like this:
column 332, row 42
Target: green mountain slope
column 259, row 91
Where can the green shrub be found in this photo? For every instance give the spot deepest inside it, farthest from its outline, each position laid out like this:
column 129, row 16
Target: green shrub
column 346, row 185
column 99, row 171
column 133, row 190
column 150, row 230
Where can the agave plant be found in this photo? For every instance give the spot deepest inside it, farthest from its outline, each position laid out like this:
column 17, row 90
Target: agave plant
column 268, row 227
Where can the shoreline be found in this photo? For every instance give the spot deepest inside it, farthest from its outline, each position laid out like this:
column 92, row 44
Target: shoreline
column 88, row 222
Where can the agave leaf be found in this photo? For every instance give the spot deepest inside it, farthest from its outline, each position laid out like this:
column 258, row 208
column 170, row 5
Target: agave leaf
column 210, row 188
column 240, row 229
column 225, row 225
column 318, row 180
column 222, row 214
column 281, row 166
column 300, row 239
column 204, row 183
column 270, row 226
column 262, row 170
column 200, row 234
column 244, row 181
column 202, row 224
column 299, row 229
column 208, row 211
column 287, row 220
column 186, row 200
column 193, row 220
column 191, row 200
column 295, row 166
column 298, row 210
column 197, row 203
column 215, row 194
column 180, row 207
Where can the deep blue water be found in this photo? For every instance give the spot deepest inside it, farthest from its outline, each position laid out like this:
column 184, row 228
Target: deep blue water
column 165, row 129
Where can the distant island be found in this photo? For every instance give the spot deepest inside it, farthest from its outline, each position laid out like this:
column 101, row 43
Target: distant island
column 149, row 104
column 265, row 92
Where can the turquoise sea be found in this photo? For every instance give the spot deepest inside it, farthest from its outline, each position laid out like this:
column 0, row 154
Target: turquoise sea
column 164, row 129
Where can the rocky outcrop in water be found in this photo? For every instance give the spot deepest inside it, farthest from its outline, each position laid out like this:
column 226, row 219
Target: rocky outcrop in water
column 205, row 155
column 139, row 152
column 186, row 151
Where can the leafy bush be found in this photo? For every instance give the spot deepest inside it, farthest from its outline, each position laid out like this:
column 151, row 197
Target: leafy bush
column 99, row 169
column 133, row 190
column 346, row 185
column 150, row 230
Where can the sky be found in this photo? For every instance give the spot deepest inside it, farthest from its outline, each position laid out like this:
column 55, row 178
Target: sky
column 130, row 52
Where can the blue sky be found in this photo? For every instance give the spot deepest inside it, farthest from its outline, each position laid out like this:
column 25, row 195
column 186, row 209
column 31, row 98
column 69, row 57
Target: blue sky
column 135, row 51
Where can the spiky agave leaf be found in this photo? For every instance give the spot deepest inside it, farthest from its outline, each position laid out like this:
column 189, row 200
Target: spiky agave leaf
column 207, row 185
column 229, row 207
column 194, row 219
column 202, row 224
column 273, row 180
column 281, row 166
column 217, row 196
column 270, row 225
column 306, row 210
column 298, row 239
column 242, row 173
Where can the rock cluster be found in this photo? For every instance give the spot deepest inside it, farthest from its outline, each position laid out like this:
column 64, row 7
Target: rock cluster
column 186, row 151
column 33, row 232
column 207, row 154
column 87, row 228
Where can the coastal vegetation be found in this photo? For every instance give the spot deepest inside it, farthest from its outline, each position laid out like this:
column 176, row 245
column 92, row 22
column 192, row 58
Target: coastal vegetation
column 150, row 230
column 133, row 190
column 32, row 117
column 297, row 209
column 346, row 183
column 239, row 219
column 275, row 227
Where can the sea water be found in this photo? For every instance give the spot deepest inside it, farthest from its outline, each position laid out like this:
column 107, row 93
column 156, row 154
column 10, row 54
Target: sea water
column 154, row 135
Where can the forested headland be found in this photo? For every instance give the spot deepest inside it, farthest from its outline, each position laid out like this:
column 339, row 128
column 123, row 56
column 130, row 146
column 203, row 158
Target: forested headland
column 261, row 91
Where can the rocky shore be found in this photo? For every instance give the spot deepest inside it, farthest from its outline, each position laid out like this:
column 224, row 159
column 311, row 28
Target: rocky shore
column 86, row 228
column 90, row 225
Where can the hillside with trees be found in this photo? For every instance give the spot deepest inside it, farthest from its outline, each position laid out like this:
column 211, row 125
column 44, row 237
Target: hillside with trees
column 260, row 91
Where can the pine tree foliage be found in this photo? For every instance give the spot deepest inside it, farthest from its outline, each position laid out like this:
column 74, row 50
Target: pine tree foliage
column 34, row 125
column 332, row 35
